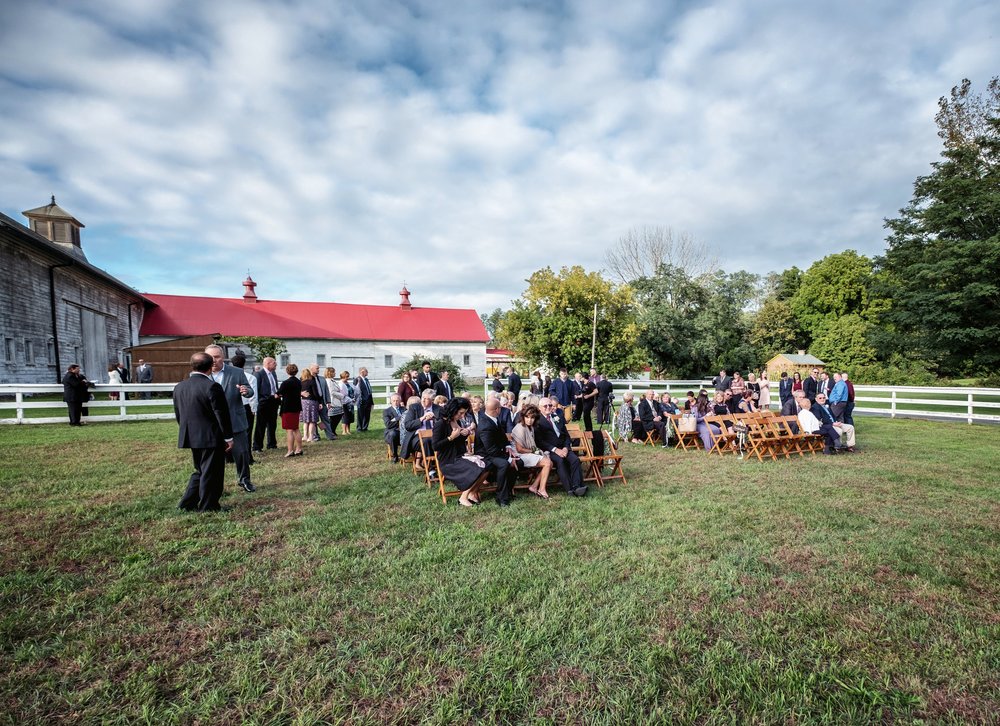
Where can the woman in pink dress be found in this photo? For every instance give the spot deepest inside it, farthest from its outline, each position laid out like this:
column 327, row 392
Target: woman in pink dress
column 765, row 392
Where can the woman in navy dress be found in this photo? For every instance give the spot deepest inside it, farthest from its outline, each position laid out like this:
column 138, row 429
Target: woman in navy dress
column 450, row 442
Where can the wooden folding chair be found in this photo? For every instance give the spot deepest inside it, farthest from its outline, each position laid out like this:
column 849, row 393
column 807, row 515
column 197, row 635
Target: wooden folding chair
column 722, row 442
column 425, row 436
column 685, row 439
column 591, row 464
column 612, row 458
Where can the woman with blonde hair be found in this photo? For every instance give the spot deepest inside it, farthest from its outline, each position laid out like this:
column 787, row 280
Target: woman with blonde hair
column 310, row 407
column 347, row 392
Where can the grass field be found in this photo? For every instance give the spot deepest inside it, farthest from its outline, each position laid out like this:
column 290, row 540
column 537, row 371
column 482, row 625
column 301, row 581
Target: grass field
column 845, row 589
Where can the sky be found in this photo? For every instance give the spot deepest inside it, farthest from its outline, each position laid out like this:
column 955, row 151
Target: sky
column 337, row 149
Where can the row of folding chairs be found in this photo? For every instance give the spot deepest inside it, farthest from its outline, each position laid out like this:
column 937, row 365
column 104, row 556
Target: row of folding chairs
column 593, row 465
column 767, row 436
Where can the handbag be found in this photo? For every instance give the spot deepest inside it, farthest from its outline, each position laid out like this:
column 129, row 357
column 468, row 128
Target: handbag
column 687, row 425
column 476, row 459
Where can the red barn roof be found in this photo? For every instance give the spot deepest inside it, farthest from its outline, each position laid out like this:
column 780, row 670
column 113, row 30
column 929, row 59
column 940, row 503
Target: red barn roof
column 182, row 315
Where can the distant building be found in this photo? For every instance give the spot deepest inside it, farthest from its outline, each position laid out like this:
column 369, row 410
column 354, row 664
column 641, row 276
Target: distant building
column 791, row 362
column 55, row 307
column 339, row 335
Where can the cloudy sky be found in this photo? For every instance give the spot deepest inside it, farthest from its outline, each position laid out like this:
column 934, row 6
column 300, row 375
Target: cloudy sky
column 335, row 149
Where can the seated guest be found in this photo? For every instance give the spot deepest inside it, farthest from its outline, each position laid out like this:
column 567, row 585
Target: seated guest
column 689, row 400
column 667, row 404
column 822, row 412
column 523, row 437
column 699, row 410
column 747, row 404
column 450, row 442
column 628, row 422
column 472, row 418
column 791, row 406
column 652, row 419
column 732, row 401
column 719, row 407
column 551, row 437
column 440, row 400
column 419, row 416
column 812, row 425
column 392, row 417
column 501, row 456
column 506, row 413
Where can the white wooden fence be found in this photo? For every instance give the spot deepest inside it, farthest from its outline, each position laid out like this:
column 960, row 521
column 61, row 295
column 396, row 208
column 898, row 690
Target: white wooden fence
column 31, row 402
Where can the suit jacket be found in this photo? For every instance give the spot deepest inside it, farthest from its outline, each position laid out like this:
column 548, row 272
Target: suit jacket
column 810, row 387
column 231, row 378
column 123, row 371
column 546, row 438
column 426, row 380
column 784, row 389
column 75, row 388
column 412, row 423
column 144, row 375
column 491, row 439
column 788, row 408
column 364, row 390
column 443, row 388
column 604, row 390
column 392, row 420
column 827, row 386
column 721, row 384
column 264, row 389
column 202, row 411
column 506, row 419
column 562, row 391
column 320, row 391
column 648, row 411
column 514, row 383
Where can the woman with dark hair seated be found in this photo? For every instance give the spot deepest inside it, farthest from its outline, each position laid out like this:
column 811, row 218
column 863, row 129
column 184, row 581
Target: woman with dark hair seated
column 747, row 405
column 450, row 443
column 701, row 409
column 523, row 437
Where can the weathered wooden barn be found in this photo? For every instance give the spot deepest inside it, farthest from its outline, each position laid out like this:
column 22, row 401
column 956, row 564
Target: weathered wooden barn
column 55, row 307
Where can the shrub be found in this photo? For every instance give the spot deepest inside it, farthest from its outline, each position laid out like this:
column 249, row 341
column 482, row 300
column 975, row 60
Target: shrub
column 455, row 378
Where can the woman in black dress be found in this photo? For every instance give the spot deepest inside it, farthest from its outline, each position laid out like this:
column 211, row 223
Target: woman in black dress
column 449, row 442
column 290, row 391
column 589, row 398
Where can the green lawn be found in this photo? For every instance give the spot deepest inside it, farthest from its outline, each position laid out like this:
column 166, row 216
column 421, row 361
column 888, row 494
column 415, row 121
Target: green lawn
column 845, row 589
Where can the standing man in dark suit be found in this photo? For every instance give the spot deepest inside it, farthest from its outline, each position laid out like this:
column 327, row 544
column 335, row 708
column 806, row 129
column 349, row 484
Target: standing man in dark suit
column 236, row 387
column 144, row 374
column 321, row 394
column 605, row 389
column 491, row 443
column 392, row 418
column 426, row 378
column 126, row 376
column 268, row 402
column 721, row 382
column 577, row 396
column 561, row 389
column 784, row 388
column 365, row 399
column 75, row 393
column 551, row 436
column 514, row 385
column 443, row 387
column 810, row 386
column 201, row 409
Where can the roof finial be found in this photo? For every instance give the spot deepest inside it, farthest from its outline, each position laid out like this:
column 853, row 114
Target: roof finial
column 53, row 199
column 404, row 298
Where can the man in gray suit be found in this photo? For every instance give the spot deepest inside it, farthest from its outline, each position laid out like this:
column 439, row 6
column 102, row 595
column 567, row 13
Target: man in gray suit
column 236, row 387
column 322, row 396
column 144, row 374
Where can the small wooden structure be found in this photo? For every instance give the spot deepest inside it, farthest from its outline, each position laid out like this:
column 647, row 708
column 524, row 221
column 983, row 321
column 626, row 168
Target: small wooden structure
column 792, row 362
column 171, row 359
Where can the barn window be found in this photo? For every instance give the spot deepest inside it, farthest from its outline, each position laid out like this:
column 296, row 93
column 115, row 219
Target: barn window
column 321, row 360
column 285, row 359
column 29, row 352
column 52, row 352
column 388, row 361
column 447, row 358
column 466, row 360
column 9, row 349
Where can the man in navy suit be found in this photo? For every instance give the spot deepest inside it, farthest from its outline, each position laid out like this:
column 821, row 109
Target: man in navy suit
column 810, row 386
column 392, row 418
column 443, row 386
column 426, row 378
column 236, row 387
column 491, row 443
column 365, row 399
column 268, row 402
column 514, row 385
column 202, row 412
column 551, row 436
column 562, row 389
column 784, row 388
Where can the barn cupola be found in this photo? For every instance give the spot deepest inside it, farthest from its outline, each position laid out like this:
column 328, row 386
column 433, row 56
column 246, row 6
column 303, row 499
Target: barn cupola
column 57, row 225
column 404, row 298
column 249, row 296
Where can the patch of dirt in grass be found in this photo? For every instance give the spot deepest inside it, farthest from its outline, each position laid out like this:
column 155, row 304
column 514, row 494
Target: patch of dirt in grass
column 945, row 704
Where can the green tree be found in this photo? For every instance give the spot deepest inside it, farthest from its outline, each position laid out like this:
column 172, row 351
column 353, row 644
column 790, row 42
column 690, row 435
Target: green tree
column 775, row 329
column 416, row 361
column 843, row 343
column 490, row 322
column 839, row 284
column 261, row 347
column 552, row 322
column 942, row 264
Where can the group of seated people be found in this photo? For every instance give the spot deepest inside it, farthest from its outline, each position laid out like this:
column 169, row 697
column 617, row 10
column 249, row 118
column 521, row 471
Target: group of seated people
column 816, row 414
column 507, row 437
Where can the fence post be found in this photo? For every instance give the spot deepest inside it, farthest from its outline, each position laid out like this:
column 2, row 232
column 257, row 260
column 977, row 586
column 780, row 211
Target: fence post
column 19, row 400
column 892, row 407
column 971, row 409
column 122, row 412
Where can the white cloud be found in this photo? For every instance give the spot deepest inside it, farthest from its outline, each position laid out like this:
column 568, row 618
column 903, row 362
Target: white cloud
column 326, row 149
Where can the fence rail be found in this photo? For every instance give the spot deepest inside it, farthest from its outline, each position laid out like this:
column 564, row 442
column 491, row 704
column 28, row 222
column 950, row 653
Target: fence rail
column 29, row 403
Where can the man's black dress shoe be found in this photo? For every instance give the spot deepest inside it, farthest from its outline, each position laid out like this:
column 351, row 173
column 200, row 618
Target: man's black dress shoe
column 580, row 492
column 248, row 487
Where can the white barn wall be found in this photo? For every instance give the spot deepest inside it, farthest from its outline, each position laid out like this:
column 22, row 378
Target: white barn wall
column 351, row 355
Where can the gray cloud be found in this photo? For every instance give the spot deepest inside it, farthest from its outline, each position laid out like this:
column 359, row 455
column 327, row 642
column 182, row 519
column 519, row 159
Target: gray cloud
column 460, row 147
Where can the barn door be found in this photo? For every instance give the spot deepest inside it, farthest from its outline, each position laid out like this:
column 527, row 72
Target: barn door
column 93, row 328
